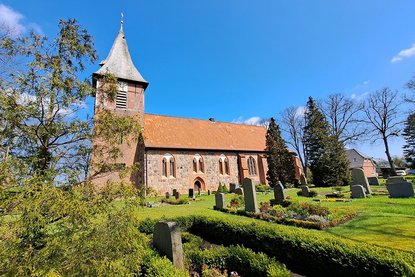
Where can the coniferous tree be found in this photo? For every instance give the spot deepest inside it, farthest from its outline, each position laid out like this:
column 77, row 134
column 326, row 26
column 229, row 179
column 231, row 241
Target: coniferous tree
column 409, row 135
column 326, row 154
column 280, row 159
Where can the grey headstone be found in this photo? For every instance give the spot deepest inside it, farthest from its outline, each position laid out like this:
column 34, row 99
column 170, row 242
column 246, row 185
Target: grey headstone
column 358, row 191
column 219, row 201
column 395, row 179
column 279, row 193
column 168, row 241
column 232, row 187
column 239, row 191
column 373, row 181
column 359, row 178
column 177, row 195
column 250, row 196
column 191, row 193
column 402, row 190
column 208, row 191
column 167, row 195
column 199, row 192
column 303, row 180
column 305, row 191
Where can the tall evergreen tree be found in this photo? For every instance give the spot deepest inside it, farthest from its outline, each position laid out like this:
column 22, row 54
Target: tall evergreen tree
column 409, row 135
column 326, row 154
column 280, row 159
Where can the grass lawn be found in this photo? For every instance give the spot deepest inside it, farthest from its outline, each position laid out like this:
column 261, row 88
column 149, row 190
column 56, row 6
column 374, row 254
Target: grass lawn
column 382, row 221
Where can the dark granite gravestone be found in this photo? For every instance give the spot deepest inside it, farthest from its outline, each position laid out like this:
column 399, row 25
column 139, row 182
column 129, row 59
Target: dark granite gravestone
column 219, row 201
column 359, row 178
column 358, row 191
column 174, row 192
column 167, row 195
column 373, row 181
column 395, row 179
column 232, row 187
column 305, row 191
column 208, row 191
column 177, row 195
column 191, row 193
column 279, row 193
column 400, row 190
column 250, row 196
column 239, row 191
column 168, row 241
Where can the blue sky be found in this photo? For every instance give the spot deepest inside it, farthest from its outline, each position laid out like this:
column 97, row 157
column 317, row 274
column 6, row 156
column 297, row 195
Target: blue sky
column 237, row 59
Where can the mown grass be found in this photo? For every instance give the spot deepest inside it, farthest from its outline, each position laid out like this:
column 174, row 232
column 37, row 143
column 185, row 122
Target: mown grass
column 382, row 221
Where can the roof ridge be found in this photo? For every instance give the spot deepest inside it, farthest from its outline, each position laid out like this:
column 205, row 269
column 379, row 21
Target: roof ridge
column 224, row 122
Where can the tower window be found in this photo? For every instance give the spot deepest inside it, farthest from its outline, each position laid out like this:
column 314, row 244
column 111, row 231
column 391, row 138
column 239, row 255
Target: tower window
column 121, row 99
column 251, row 166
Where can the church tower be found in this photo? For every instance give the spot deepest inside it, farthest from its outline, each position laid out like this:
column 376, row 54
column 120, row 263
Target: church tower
column 129, row 101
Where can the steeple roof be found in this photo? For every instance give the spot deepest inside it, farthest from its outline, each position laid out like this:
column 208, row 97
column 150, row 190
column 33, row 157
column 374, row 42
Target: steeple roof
column 119, row 61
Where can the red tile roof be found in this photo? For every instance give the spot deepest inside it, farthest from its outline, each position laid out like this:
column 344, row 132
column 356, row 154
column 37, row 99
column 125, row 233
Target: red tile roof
column 187, row 133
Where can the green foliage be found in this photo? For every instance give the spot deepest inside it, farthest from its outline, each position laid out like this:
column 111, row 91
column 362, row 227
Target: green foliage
column 409, row 135
column 280, row 160
column 262, row 188
column 306, row 252
column 155, row 266
column 237, row 201
column 326, row 154
column 236, row 258
column 222, row 188
column 174, row 201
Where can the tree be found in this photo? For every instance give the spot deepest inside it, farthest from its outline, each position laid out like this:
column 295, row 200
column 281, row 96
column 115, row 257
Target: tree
column 382, row 114
column 280, row 159
column 343, row 116
column 326, row 154
column 293, row 123
column 409, row 135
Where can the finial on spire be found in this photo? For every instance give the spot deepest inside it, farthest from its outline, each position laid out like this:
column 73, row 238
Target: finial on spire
column 122, row 20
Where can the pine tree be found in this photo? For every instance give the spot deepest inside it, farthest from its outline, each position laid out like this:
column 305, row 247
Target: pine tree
column 280, row 159
column 409, row 135
column 326, row 154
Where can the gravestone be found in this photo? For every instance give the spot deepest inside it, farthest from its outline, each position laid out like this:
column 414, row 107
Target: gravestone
column 239, row 191
column 199, row 192
column 250, row 196
column 167, row 195
column 358, row 191
column 400, row 190
column 168, row 241
column 359, row 178
column 219, row 201
column 191, row 193
column 373, row 181
column 232, row 187
column 305, row 191
column 395, row 179
column 174, row 192
column 177, row 195
column 303, row 180
column 279, row 193
column 208, row 191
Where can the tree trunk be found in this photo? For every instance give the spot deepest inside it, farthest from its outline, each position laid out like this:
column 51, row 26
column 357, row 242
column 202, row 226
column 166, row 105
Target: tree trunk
column 385, row 142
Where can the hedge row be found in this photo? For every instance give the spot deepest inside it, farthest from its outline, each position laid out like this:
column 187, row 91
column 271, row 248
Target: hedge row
column 307, row 252
column 236, row 258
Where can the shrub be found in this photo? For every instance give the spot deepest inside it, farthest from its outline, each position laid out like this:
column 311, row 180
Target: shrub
column 278, row 211
column 222, row 188
column 262, row 188
column 305, row 251
column 237, row 201
column 265, row 207
column 174, row 201
column 155, row 266
column 235, row 258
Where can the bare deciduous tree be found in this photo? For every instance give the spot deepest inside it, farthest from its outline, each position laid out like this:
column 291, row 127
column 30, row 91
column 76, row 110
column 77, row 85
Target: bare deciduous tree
column 382, row 113
column 293, row 125
column 344, row 116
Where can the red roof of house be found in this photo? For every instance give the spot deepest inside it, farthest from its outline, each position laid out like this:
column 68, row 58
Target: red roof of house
column 186, row 133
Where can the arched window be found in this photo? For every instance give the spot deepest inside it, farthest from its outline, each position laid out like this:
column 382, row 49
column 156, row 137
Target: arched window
column 251, row 166
column 168, row 166
column 198, row 165
column 194, row 165
column 201, row 165
column 223, row 165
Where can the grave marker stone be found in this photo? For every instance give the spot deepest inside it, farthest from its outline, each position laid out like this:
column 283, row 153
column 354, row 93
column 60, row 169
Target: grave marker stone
column 174, row 192
column 358, row 191
column 191, row 193
column 167, row 195
column 168, row 241
column 359, row 178
column 232, row 187
column 250, row 196
column 305, row 191
column 395, row 179
column 279, row 193
column 219, row 201
column 208, row 191
column 239, row 191
column 400, row 190
column 373, row 181
column 177, row 195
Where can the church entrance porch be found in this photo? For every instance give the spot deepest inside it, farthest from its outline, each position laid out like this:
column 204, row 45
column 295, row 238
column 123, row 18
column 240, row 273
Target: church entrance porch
column 198, row 185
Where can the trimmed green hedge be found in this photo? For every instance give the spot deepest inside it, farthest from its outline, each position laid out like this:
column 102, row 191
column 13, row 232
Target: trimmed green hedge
column 308, row 252
column 236, row 258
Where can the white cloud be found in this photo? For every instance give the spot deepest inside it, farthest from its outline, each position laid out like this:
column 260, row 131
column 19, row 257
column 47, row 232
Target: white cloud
column 359, row 97
column 255, row 120
column 403, row 54
column 365, row 83
column 300, row 111
column 11, row 20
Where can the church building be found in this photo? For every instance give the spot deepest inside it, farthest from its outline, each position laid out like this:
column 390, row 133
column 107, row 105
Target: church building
column 180, row 153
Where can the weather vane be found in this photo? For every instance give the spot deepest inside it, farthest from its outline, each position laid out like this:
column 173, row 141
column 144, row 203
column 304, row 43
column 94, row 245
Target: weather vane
column 122, row 19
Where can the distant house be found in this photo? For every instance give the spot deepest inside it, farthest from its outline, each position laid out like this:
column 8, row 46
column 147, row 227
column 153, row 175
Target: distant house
column 359, row 160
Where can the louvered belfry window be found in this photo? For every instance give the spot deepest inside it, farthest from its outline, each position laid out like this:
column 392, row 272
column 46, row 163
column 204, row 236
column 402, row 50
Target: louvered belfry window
column 121, row 99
